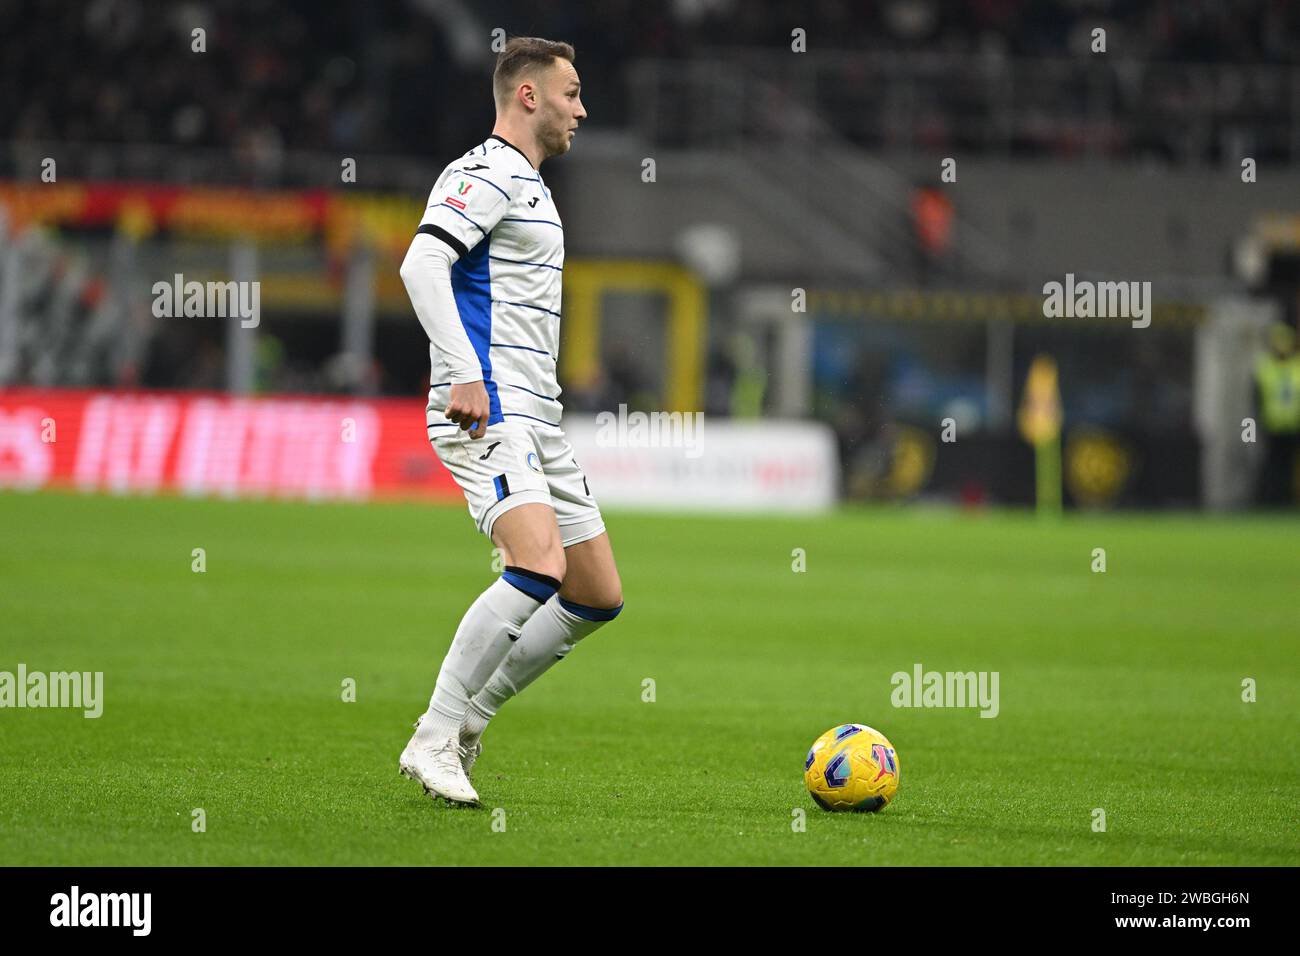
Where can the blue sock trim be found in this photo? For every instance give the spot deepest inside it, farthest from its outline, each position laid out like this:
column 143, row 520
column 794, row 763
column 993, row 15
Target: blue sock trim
column 590, row 613
column 539, row 587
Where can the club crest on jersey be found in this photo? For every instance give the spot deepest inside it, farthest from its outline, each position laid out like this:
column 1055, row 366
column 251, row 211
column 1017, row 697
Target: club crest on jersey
column 884, row 758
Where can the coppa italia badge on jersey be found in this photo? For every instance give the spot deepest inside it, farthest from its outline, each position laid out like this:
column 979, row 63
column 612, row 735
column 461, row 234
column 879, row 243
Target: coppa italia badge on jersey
column 464, row 188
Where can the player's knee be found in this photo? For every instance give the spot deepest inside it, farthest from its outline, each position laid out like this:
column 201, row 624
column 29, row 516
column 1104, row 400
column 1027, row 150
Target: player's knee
column 604, row 605
column 548, row 561
column 604, row 595
column 610, row 594
column 539, row 554
column 556, row 566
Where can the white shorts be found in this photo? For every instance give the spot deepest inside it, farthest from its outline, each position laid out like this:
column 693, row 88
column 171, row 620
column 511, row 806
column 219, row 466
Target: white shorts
column 515, row 464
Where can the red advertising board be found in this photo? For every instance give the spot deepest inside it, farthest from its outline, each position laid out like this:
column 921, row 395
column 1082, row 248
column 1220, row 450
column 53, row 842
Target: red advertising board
column 198, row 443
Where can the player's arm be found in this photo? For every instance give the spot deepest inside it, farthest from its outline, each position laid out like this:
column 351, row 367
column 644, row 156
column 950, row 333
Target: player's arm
column 426, row 272
column 463, row 208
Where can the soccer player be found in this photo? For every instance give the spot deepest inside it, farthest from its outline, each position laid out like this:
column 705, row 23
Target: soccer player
column 483, row 273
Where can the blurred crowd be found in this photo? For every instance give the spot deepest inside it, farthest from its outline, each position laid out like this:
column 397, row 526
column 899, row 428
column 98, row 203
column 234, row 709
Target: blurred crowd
column 405, row 76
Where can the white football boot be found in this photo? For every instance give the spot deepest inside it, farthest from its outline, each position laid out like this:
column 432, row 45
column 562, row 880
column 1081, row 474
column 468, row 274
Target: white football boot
column 436, row 765
column 468, row 755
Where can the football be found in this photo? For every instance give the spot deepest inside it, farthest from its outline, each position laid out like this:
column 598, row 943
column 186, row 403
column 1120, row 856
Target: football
column 852, row 767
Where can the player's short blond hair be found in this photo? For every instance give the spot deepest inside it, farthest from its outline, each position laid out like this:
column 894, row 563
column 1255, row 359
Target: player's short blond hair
column 520, row 56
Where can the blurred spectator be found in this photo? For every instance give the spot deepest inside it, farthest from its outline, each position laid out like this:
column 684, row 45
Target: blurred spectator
column 1277, row 380
column 932, row 222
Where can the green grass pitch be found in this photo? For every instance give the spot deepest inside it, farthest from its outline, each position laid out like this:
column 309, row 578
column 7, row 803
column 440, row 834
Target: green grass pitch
column 223, row 690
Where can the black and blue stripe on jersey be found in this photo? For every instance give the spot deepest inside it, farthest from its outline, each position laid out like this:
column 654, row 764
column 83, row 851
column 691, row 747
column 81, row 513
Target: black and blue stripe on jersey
column 525, row 262
column 535, row 178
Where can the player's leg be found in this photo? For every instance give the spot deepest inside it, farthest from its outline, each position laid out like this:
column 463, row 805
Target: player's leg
column 534, row 565
column 528, row 537
column 590, row 596
column 592, row 579
column 509, row 501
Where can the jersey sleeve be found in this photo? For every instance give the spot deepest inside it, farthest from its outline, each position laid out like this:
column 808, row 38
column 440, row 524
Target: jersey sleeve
column 426, row 271
column 468, row 201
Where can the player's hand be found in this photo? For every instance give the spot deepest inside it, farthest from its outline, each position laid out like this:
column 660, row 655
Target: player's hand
column 468, row 407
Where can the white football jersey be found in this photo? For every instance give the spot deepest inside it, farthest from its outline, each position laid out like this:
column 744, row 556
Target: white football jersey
column 493, row 208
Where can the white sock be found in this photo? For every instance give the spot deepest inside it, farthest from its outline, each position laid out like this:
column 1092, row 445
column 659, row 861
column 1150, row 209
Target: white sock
column 484, row 637
column 545, row 640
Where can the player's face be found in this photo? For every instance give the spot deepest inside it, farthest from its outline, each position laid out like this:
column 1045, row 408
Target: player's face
column 561, row 108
